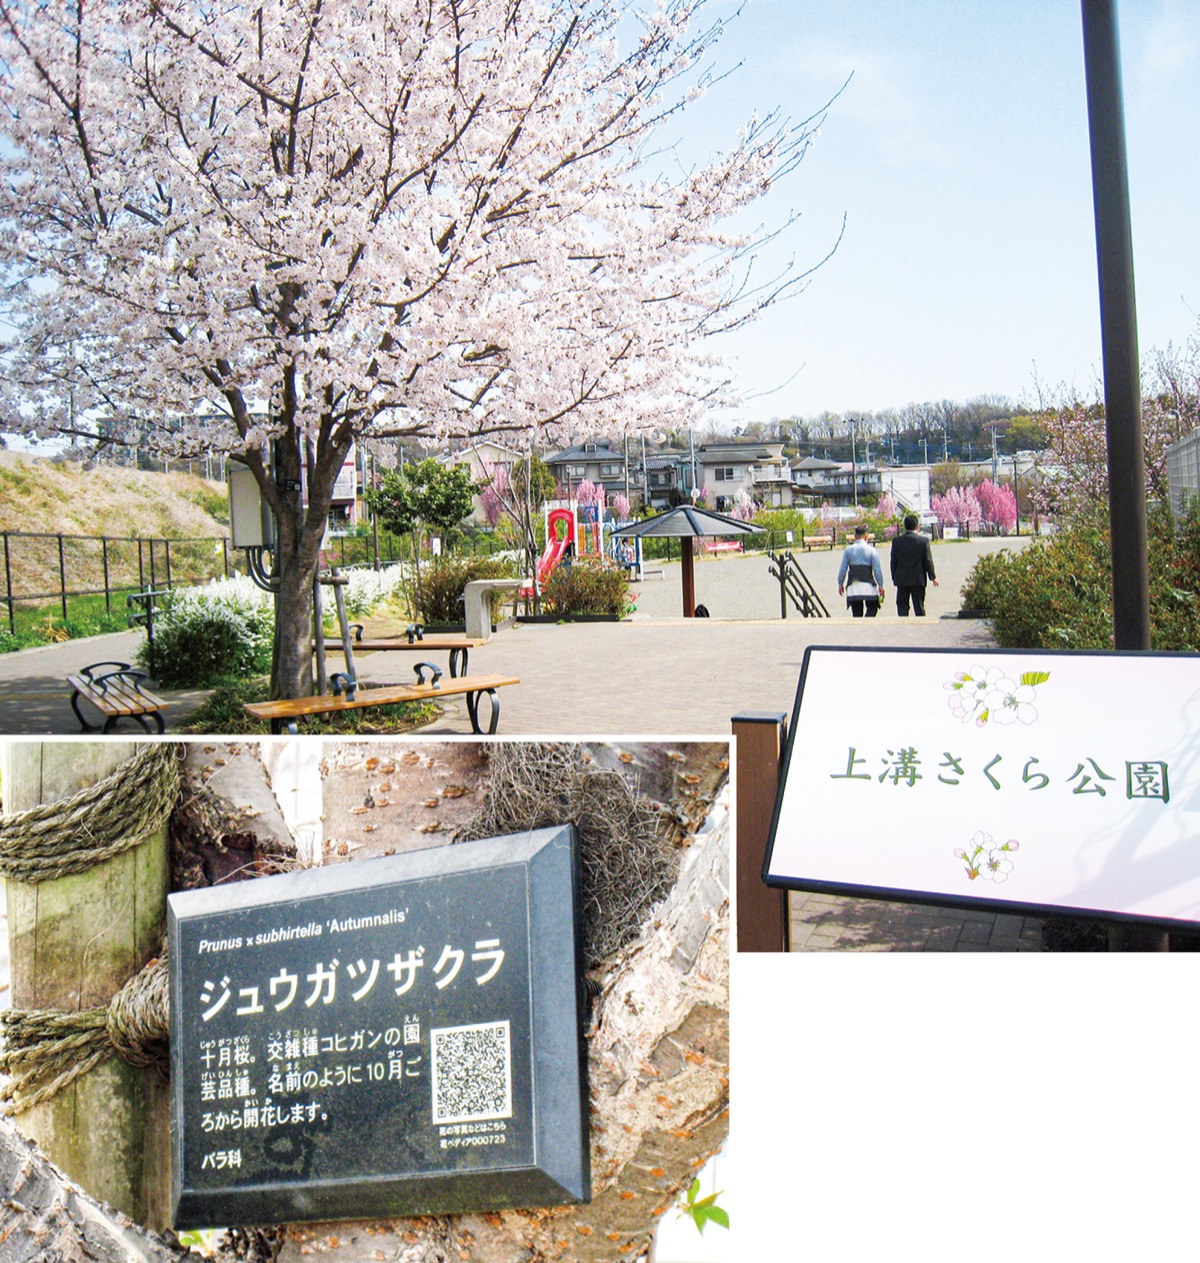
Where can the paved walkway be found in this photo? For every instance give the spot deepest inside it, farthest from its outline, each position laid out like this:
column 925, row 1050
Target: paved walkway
column 657, row 674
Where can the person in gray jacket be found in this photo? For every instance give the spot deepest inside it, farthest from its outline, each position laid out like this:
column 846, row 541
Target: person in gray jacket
column 911, row 564
column 860, row 576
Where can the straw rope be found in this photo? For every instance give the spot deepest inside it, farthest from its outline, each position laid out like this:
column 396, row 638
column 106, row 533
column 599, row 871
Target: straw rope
column 46, row 1050
column 74, row 834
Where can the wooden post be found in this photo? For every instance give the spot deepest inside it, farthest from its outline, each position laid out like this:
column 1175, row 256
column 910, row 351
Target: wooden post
column 762, row 912
column 74, row 942
column 689, row 576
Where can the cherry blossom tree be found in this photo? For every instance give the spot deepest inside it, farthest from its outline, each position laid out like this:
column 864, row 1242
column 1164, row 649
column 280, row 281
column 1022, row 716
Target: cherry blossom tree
column 277, row 230
column 588, row 492
column 744, row 507
column 491, row 498
column 1074, row 479
column 958, row 507
column 998, row 504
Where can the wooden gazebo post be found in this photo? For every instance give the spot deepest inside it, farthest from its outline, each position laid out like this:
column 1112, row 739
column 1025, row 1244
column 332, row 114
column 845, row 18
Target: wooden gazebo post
column 687, row 556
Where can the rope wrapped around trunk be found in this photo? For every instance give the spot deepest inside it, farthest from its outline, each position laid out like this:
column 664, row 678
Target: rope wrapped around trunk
column 45, row 1050
column 74, row 834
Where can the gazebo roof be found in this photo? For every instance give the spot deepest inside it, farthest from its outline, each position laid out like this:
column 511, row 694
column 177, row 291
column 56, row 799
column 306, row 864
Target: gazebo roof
column 687, row 520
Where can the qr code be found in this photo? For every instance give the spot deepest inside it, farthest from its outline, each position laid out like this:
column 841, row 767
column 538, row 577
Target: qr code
column 471, row 1068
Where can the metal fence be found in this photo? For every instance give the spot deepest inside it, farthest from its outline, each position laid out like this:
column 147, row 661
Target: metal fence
column 53, row 570
column 43, row 570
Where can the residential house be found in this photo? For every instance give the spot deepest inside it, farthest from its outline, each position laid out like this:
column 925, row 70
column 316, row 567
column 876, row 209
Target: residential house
column 908, row 485
column 481, row 460
column 759, row 469
column 851, row 483
column 596, row 462
column 345, row 507
column 665, row 479
column 812, row 476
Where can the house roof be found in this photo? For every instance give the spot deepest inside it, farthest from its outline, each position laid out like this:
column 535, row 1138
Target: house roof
column 583, row 452
column 709, row 452
column 815, row 463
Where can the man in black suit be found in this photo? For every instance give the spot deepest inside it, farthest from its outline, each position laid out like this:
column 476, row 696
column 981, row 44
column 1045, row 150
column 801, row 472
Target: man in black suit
column 912, row 563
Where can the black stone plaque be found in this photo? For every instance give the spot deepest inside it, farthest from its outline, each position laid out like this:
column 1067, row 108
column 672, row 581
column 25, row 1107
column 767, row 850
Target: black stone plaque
column 397, row 1036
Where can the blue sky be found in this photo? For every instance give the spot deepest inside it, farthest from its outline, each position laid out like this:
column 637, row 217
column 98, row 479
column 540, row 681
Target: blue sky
column 958, row 154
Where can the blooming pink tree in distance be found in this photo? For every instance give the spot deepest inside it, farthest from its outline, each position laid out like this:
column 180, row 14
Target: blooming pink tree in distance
column 495, row 488
column 958, row 507
column 744, row 507
column 619, row 504
column 588, row 492
column 1074, row 479
column 279, row 229
column 998, row 504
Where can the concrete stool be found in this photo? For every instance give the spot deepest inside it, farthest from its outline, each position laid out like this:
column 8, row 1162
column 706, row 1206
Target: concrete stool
column 477, row 603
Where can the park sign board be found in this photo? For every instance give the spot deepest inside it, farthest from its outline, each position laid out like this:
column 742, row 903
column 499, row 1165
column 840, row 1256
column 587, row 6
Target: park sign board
column 388, row 1037
column 1024, row 781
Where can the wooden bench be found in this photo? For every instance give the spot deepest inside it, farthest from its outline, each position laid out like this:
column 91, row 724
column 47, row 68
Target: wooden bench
column 286, row 712
column 116, row 691
column 809, row 542
column 869, row 537
column 414, row 639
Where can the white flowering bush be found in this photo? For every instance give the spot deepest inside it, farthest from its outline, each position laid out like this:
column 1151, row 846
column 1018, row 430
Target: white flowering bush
column 368, row 589
column 210, row 634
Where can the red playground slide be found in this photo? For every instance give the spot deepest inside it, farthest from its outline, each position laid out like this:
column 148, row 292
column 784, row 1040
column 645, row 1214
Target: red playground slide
column 556, row 546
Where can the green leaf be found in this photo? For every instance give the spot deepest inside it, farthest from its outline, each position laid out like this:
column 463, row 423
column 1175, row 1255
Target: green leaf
column 1035, row 677
column 719, row 1216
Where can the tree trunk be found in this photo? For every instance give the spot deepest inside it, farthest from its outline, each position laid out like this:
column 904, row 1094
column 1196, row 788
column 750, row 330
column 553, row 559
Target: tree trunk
column 658, row 1038
column 301, row 519
column 44, row 1216
column 74, row 942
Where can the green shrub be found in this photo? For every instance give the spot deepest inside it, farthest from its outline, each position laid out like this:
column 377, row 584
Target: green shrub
column 208, row 635
column 438, row 597
column 781, row 521
column 1057, row 593
column 590, row 585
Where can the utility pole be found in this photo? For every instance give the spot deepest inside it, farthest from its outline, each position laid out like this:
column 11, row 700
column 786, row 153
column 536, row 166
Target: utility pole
column 1122, row 379
column 854, row 458
column 1016, row 495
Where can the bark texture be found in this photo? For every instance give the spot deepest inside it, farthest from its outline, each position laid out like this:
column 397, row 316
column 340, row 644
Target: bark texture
column 45, row 1218
column 658, row 1039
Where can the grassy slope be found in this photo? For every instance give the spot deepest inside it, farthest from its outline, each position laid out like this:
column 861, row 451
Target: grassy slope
column 40, row 495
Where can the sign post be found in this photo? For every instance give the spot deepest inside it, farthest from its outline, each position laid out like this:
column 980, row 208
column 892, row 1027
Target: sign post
column 762, row 914
column 398, row 1036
